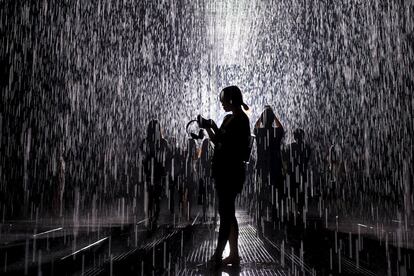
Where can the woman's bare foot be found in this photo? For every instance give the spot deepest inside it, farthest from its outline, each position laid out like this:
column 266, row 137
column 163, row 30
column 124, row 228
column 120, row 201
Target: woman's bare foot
column 233, row 260
column 215, row 261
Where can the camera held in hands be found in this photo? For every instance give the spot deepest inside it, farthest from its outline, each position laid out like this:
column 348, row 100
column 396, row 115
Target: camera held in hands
column 194, row 130
column 203, row 123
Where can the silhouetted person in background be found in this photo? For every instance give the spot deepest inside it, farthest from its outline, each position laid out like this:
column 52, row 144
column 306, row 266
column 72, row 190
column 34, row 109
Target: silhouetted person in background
column 269, row 161
column 180, row 179
column 205, row 190
column 59, row 187
column 336, row 169
column 174, row 168
column 190, row 185
column 408, row 188
column 154, row 148
column 231, row 151
column 61, row 182
column 297, row 157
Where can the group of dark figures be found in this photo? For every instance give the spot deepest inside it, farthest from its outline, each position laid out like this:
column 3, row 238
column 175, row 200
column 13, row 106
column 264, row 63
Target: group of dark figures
column 212, row 171
column 219, row 168
column 168, row 170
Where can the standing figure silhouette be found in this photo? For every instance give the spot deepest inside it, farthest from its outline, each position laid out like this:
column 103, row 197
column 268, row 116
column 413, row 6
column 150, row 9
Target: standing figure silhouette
column 297, row 155
column 231, row 151
column 155, row 150
column 269, row 163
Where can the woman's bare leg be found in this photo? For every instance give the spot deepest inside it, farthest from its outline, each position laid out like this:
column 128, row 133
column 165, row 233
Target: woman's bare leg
column 233, row 257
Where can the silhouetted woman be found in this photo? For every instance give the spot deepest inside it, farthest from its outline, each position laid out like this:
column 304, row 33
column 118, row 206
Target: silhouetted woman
column 231, row 151
column 154, row 148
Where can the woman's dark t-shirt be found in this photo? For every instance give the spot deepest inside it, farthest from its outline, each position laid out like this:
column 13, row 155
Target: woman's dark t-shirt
column 230, row 152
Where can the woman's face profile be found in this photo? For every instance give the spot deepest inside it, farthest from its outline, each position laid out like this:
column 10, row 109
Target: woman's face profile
column 225, row 103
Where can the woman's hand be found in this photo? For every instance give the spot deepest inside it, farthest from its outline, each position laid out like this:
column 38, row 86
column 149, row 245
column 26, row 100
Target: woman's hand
column 209, row 125
column 206, row 123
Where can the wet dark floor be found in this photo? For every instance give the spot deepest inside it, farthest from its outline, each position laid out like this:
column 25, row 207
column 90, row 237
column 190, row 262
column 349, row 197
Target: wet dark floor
column 183, row 247
column 255, row 258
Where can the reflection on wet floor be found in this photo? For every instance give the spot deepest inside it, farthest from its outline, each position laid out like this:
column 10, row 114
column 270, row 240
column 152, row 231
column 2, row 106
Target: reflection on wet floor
column 256, row 259
column 254, row 256
column 183, row 247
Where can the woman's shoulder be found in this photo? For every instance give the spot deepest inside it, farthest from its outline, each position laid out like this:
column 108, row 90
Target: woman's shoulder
column 244, row 120
column 239, row 116
column 236, row 121
column 245, row 117
column 227, row 117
